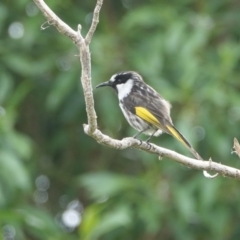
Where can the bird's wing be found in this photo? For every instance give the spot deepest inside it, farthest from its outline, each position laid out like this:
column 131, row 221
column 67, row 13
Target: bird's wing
column 149, row 106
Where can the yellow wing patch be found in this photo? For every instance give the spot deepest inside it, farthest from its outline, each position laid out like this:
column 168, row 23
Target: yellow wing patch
column 144, row 114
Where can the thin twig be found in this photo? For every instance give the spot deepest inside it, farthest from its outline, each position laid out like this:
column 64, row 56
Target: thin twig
column 236, row 147
column 54, row 20
column 95, row 21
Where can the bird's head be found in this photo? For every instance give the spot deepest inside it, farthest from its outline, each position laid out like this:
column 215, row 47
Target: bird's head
column 122, row 82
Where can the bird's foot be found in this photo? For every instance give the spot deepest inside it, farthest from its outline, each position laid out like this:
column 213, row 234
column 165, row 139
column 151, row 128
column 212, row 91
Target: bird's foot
column 139, row 141
column 148, row 143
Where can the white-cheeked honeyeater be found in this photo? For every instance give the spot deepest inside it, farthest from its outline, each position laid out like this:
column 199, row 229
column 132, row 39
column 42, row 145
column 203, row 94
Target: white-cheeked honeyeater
column 144, row 109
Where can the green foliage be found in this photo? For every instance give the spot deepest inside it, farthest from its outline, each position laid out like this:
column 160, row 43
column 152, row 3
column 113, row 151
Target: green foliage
column 57, row 183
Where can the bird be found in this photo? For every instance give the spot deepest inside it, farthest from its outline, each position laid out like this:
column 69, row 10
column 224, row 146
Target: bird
column 144, row 108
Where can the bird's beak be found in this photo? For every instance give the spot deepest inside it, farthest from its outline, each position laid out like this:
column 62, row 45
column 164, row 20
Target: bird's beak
column 103, row 84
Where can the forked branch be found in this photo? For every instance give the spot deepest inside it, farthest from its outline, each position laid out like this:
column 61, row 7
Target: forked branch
column 91, row 128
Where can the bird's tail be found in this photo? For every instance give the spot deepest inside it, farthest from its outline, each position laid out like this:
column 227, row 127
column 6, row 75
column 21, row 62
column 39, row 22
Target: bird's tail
column 175, row 133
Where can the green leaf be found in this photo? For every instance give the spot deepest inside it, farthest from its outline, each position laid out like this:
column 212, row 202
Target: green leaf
column 13, row 172
column 117, row 218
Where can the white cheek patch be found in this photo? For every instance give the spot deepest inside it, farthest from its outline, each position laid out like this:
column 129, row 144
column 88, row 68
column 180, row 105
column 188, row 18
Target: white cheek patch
column 124, row 89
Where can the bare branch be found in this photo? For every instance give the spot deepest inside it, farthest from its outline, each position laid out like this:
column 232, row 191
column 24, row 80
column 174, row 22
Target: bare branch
column 83, row 48
column 54, row 20
column 236, row 147
column 86, row 80
column 163, row 152
column 95, row 21
column 91, row 128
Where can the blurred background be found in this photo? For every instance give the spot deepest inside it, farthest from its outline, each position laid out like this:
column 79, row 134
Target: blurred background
column 57, row 183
